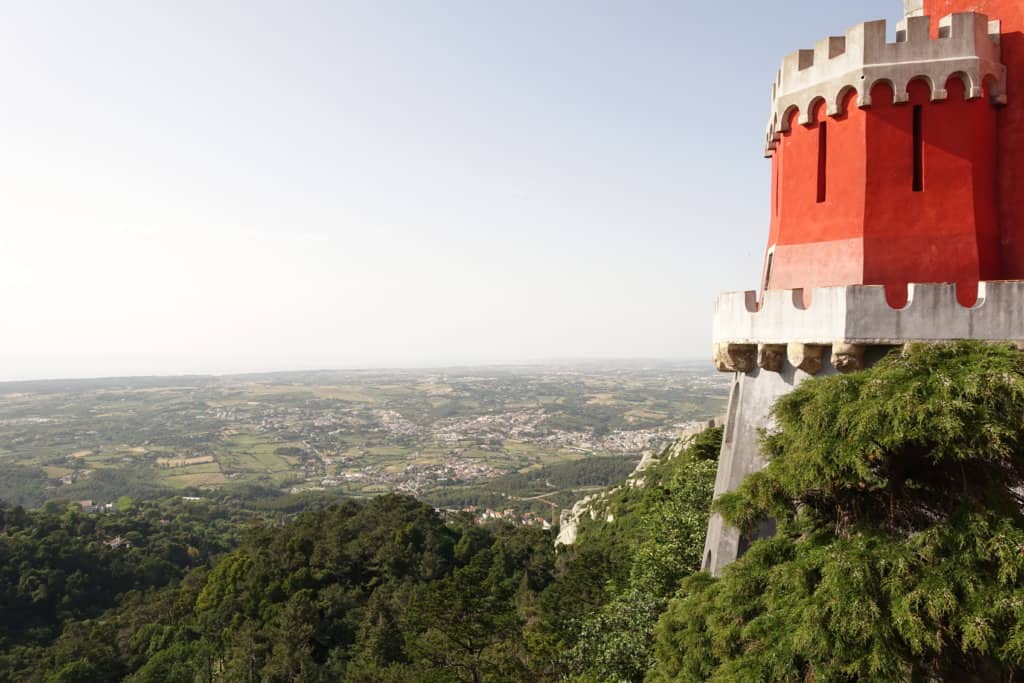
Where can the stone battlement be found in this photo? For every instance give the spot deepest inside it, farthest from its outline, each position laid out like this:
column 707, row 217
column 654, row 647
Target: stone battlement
column 967, row 46
column 860, row 314
column 774, row 344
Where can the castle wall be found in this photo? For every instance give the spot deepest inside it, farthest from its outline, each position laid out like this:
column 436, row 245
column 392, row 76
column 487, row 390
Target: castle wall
column 750, row 400
column 893, row 163
column 945, row 231
column 884, row 159
column 773, row 344
column 862, row 315
column 820, row 242
column 1010, row 125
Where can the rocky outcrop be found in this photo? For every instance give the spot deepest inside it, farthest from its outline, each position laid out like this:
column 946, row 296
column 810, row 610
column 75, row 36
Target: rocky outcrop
column 591, row 506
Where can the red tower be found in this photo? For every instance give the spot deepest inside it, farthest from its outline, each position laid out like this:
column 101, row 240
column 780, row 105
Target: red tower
column 884, row 159
column 896, row 216
column 1010, row 122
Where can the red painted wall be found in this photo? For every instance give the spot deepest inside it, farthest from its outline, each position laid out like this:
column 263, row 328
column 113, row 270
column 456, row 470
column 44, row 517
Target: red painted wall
column 1010, row 125
column 873, row 227
column 814, row 242
column 946, row 232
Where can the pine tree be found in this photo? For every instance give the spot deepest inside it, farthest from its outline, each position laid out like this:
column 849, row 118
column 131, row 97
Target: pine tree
column 900, row 550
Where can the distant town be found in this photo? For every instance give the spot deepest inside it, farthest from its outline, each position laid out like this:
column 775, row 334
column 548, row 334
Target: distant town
column 355, row 433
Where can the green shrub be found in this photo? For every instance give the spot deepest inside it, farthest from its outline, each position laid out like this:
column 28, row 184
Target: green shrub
column 900, row 552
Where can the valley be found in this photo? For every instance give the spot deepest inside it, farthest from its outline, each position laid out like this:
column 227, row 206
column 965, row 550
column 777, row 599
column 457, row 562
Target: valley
column 431, row 433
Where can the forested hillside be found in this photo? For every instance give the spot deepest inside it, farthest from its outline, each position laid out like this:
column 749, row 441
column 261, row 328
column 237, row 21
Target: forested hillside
column 384, row 590
column 60, row 567
column 899, row 557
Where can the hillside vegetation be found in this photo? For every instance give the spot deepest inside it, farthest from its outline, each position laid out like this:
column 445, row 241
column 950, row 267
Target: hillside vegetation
column 383, row 590
column 899, row 557
column 900, row 552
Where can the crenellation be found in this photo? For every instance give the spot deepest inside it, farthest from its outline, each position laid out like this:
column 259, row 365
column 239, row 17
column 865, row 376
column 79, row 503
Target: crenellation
column 872, row 36
column 804, row 59
column 861, row 314
column 967, row 46
column 969, row 27
column 995, row 30
column 913, row 30
column 829, row 48
column 750, row 301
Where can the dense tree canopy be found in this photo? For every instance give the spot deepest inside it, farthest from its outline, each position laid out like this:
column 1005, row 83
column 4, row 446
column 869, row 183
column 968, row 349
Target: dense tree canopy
column 383, row 590
column 656, row 535
column 900, row 552
column 899, row 556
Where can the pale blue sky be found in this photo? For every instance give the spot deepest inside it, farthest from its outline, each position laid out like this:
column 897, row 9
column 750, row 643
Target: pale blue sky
column 229, row 186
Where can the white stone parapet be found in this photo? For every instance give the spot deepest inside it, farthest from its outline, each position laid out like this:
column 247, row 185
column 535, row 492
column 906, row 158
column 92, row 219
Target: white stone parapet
column 860, row 314
column 968, row 46
column 774, row 344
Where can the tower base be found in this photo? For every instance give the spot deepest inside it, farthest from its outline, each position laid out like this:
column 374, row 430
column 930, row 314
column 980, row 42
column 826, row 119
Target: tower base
column 773, row 345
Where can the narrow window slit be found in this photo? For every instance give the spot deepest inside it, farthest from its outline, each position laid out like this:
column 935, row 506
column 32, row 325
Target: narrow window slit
column 918, row 150
column 778, row 162
column 822, row 160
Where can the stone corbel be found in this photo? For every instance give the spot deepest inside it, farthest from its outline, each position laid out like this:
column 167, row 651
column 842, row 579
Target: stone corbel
column 806, row 357
column 771, row 356
column 847, row 357
column 735, row 357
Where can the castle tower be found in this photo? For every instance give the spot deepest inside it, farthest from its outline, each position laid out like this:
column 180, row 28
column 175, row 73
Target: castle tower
column 891, row 209
column 884, row 158
column 1010, row 120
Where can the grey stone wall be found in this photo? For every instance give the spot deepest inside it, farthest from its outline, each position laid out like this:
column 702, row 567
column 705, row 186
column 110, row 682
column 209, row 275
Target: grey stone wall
column 750, row 401
column 859, row 314
column 773, row 344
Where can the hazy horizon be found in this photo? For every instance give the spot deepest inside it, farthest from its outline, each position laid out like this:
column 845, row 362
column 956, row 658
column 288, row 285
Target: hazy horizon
column 273, row 186
column 567, row 363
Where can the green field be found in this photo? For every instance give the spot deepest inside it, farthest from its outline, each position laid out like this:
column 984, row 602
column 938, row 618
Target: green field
column 361, row 432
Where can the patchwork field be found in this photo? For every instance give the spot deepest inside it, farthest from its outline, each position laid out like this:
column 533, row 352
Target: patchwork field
column 359, row 432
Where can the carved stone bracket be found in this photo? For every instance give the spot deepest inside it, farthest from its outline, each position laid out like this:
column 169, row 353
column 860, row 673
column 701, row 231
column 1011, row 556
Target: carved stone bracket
column 735, row 357
column 771, row 356
column 847, row 357
column 806, row 357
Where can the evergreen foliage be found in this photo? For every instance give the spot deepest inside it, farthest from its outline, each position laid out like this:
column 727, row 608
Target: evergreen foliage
column 900, row 552
column 382, row 590
column 899, row 557
column 656, row 533
column 59, row 564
